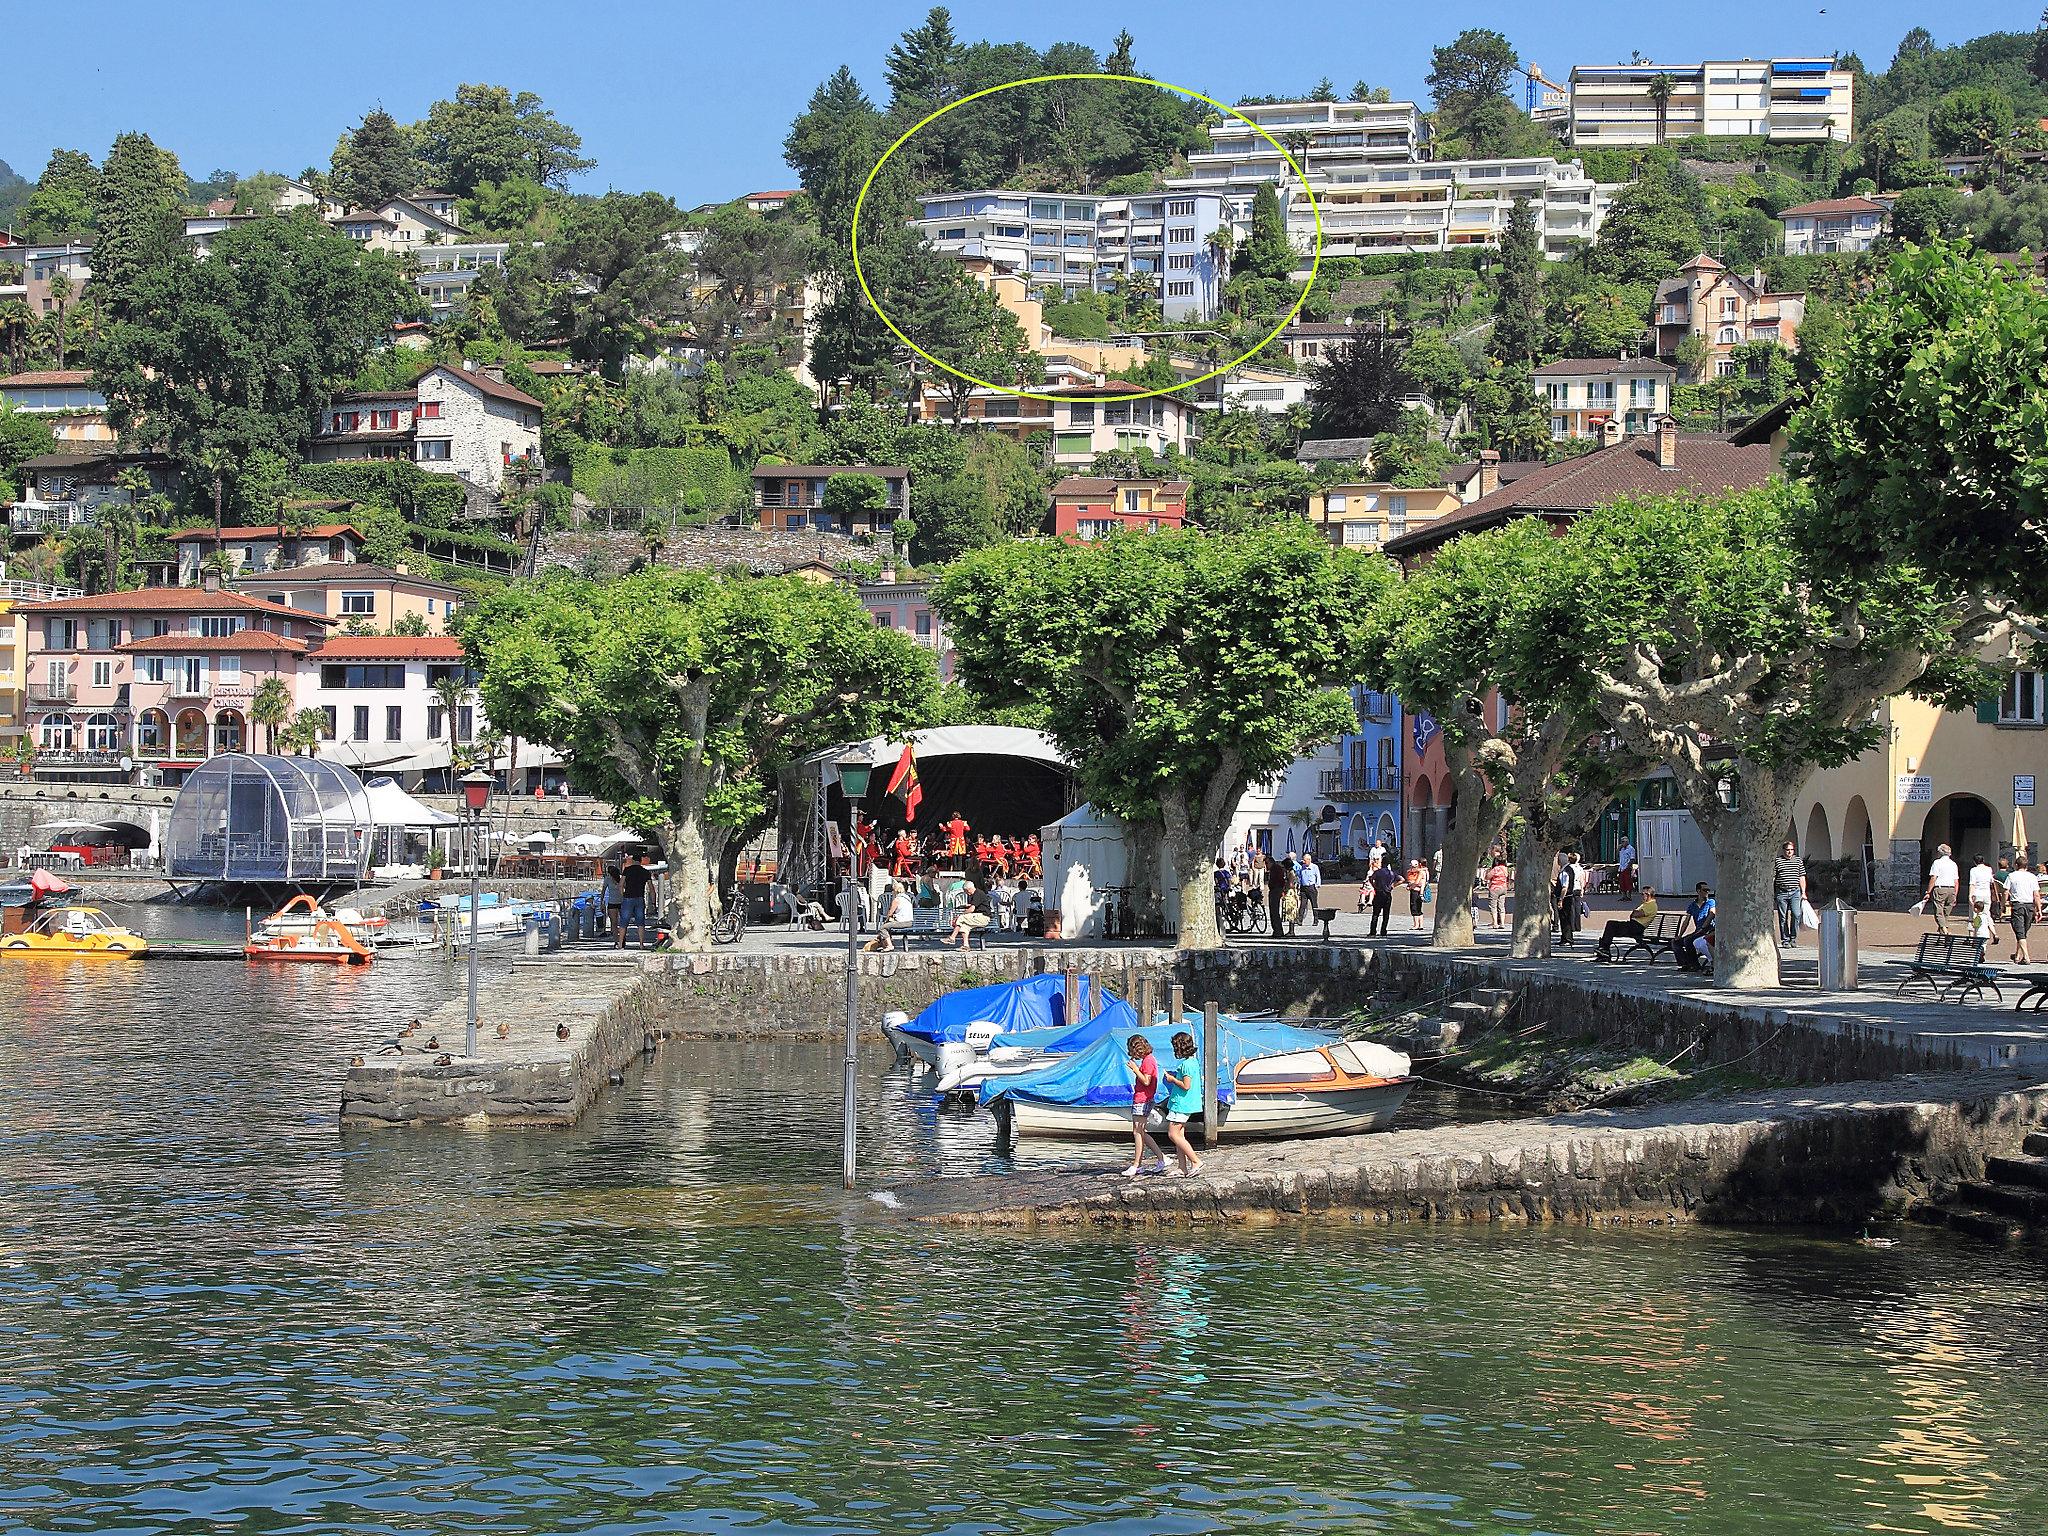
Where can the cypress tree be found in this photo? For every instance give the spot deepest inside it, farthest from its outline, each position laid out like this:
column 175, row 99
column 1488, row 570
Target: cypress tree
column 139, row 210
column 1518, row 300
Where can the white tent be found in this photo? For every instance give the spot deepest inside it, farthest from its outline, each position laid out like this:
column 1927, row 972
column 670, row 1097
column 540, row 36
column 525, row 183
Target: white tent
column 391, row 806
column 1085, row 854
column 954, row 741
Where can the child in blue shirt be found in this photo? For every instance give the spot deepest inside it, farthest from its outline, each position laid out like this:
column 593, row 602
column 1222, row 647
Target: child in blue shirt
column 1183, row 1098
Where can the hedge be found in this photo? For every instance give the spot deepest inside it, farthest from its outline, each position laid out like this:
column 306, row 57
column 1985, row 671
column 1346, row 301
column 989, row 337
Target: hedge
column 424, row 498
column 661, row 479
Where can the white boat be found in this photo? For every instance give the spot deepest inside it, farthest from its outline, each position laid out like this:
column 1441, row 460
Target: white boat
column 496, row 918
column 907, row 1044
column 1343, row 1089
column 302, row 916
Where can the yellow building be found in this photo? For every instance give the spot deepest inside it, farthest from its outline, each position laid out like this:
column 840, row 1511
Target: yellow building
column 13, row 671
column 1965, row 778
column 1367, row 514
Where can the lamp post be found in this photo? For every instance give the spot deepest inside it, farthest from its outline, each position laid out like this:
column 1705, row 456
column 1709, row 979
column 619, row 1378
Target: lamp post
column 854, row 774
column 476, row 793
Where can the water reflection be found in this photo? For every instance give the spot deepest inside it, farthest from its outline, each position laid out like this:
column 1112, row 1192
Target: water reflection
column 217, row 1310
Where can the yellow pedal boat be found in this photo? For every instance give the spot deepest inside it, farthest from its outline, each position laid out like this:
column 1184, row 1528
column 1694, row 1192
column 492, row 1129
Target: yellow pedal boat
column 81, row 932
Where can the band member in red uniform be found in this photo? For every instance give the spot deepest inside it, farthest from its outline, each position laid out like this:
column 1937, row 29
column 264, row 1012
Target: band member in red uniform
column 867, row 847
column 1032, row 855
column 999, row 855
column 903, row 854
column 956, row 831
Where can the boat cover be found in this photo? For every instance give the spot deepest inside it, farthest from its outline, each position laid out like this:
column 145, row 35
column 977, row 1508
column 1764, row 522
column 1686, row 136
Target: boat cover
column 1037, row 1005
column 1101, row 1074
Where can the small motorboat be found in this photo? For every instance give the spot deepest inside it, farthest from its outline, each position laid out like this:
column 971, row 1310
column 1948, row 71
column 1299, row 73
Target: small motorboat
column 79, row 933
column 302, row 916
column 1276, row 1081
column 1004, row 1008
column 329, row 942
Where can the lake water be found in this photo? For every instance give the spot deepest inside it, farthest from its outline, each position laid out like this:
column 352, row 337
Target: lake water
column 219, row 1313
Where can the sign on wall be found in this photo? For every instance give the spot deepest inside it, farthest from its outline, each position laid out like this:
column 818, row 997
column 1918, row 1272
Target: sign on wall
column 2022, row 789
column 1915, row 786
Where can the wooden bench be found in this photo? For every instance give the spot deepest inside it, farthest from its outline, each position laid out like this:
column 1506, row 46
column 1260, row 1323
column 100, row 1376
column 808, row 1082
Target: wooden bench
column 1666, row 932
column 1952, row 967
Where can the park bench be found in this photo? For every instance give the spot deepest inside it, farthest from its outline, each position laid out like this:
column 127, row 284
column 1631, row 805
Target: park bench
column 1666, row 931
column 2035, row 998
column 1951, row 966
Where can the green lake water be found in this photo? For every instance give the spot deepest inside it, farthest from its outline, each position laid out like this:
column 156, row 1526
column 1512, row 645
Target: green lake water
column 219, row 1313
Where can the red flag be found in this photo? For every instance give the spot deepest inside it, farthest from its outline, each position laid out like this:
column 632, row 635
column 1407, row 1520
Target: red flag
column 904, row 782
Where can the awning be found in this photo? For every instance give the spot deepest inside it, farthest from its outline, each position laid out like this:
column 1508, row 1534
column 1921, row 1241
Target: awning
column 391, row 806
column 954, row 741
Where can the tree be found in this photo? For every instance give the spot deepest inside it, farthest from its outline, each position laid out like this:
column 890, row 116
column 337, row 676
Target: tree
column 1922, row 215
column 1518, row 298
column 65, row 200
column 270, row 706
column 1742, row 653
column 235, row 353
column 923, row 68
column 1924, row 437
column 1660, row 93
column 855, row 497
column 302, row 737
column 1268, row 252
column 488, row 134
column 955, row 319
column 832, row 146
column 1355, row 390
column 140, row 215
column 1652, row 229
column 1970, row 121
column 375, row 162
column 679, row 697
column 22, row 436
column 1169, row 692
column 1467, row 77
column 622, row 275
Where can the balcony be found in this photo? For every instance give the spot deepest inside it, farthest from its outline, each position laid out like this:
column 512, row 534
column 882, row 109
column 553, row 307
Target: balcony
column 32, row 516
column 76, row 757
column 36, row 591
column 1361, row 783
column 185, row 688
column 1375, row 708
column 47, row 693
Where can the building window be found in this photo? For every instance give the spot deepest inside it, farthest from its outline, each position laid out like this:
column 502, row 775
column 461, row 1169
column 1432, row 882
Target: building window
column 2020, row 701
column 217, row 626
column 1729, row 336
column 338, row 674
column 151, row 669
column 465, row 729
column 227, row 671
column 435, row 716
column 924, row 624
column 1180, row 290
column 327, row 721
column 432, row 448
column 394, row 722
column 359, row 723
column 430, row 410
column 103, row 674
column 362, row 603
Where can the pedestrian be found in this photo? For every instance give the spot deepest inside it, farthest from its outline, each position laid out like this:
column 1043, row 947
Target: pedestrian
column 1695, row 951
column 2000, row 877
column 633, row 882
column 2022, row 905
column 1982, row 883
column 1144, row 1093
column 1625, row 866
column 1568, row 889
column 1418, row 890
column 1378, row 856
column 1221, row 879
column 1309, row 877
column 1788, row 892
column 1382, row 881
column 1498, row 879
column 613, row 895
column 1981, row 928
column 1183, row 1100
column 1941, row 887
column 1279, row 881
column 897, row 916
column 972, row 917
column 1634, row 926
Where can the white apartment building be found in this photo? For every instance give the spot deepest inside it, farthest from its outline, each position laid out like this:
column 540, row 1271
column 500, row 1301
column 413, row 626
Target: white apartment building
column 1836, row 224
column 1070, row 245
column 1341, row 136
column 1440, row 205
column 1783, row 100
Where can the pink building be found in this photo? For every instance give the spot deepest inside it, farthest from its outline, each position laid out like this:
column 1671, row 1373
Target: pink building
column 907, row 606
column 161, row 678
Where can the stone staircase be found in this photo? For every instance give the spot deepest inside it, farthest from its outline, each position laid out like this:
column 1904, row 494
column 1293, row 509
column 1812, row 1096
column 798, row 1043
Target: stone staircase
column 1472, row 1015
column 2009, row 1202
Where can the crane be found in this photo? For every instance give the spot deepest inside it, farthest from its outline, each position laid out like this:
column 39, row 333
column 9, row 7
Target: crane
column 1538, row 82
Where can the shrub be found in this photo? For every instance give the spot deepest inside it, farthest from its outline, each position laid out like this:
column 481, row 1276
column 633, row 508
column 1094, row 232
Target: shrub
column 425, row 498
column 641, row 480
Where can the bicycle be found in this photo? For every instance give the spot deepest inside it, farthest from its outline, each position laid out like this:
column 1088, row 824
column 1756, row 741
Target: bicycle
column 730, row 925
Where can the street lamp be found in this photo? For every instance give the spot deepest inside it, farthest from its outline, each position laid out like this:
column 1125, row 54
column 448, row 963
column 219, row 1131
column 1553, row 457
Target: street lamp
column 854, row 773
column 476, row 793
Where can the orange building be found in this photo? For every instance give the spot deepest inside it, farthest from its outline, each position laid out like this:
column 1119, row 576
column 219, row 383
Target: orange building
column 1086, row 507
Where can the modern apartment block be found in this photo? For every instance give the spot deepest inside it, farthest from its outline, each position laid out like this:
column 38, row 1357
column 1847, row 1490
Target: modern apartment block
column 1327, row 139
column 1441, row 205
column 1070, row 245
column 1584, row 394
column 1787, row 101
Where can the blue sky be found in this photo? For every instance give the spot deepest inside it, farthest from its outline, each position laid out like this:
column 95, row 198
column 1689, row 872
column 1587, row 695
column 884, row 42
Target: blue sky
column 693, row 99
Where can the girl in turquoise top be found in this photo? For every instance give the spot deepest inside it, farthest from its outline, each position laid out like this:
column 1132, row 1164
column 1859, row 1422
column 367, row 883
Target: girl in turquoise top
column 1183, row 1098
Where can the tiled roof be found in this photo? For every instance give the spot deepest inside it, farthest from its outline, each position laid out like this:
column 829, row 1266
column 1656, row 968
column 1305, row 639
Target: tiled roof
column 483, row 382
column 48, row 378
column 388, row 435
column 775, row 471
column 338, row 573
column 1098, row 485
column 1315, row 449
column 1704, row 464
column 268, row 531
column 1577, row 367
column 1834, row 205
column 405, row 395
column 165, row 600
column 248, row 640
column 389, row 648
column 1321, row 328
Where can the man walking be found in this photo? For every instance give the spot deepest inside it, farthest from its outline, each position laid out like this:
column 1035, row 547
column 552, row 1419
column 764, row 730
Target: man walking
column 1788, row 892
column 1382, row 880
column 1625, row 866
column 1940, row 894
column 633, row 882
column 1309, row 880
column 1982, row 884
column 1569, row 886
column 2022, row 905
column 1279, row 881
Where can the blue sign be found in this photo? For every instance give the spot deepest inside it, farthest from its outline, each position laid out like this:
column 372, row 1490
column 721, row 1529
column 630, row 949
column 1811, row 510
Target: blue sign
column 1425, row 730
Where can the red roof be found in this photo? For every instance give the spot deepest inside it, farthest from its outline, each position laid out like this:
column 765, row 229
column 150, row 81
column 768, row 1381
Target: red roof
column 269, row 531
column 1578, row 367
column 1102, row 485
column 488, row 385
column 1703, row 464
column 167, row 600
column 48, row 378
column 389, row 648
column 244, row 640
column 1835, row 205
column 755, row 197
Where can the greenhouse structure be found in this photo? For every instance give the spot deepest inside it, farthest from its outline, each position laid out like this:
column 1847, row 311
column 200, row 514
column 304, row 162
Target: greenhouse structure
column 241, row 818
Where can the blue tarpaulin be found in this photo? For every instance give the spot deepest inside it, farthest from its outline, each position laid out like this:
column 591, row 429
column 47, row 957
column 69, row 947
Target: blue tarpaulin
column 1101, row 1074
column 1036, row 1004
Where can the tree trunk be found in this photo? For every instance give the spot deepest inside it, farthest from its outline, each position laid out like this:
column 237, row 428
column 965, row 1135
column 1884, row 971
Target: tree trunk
column 1745, row 842
column 1191, row 852
column 1530, row 939
column 687, row 846
column 1476, row 821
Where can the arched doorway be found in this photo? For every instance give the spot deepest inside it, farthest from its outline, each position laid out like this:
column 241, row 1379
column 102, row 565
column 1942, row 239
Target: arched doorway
column 1856, row 842
column 1421, row 818
column 103, row 733
column 1969, row 827
column 189, row 736
column 1817, row 844
column 1358, row 835
column 56, row 734
column 153, row 732
column 227, row 731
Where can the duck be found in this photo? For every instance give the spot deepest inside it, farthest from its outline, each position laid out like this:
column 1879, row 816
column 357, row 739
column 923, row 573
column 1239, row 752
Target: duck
column 504, row 1031
column 355, row 1061
column 1867, row 1241
column 561, row 1031
column 444, row 1060
column 433, row 1043
column 411, row 1029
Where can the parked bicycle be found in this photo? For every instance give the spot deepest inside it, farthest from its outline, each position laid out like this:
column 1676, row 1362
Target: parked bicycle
column 729, row 926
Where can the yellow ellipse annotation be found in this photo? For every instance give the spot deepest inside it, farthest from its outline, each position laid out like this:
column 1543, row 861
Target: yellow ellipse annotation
column 1315, row 265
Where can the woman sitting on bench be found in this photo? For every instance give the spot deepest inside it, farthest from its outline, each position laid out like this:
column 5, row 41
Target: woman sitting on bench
column 1634, row 926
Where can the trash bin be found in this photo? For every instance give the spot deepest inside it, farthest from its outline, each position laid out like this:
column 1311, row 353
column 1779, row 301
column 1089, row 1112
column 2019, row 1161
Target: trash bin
column 1838, row 947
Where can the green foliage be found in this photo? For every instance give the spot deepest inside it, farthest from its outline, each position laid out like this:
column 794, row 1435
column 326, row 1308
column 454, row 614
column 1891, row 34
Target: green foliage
column 488, row 134
column 1921, row 215
column 375, row 162
column 1356, row 388
column 65, row 202
column 397, row 483
column 626, row 274
column 22, row 436
column 669, row 480
column 1083, row 319
column 385, row 541
column 1174, row 669
column 1518, row 304
column 1969, row 121
column 139, row 206
column 2010, row 221
column 1269, row 253
column 1468, row 80
column 1652, row 229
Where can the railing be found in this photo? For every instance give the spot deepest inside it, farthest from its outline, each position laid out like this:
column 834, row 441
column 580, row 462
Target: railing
column 1375, row 706
column 52, row 693
column 184, row 690
column 1360, row 783
column 37, row 591
column 29, row 516
column 77, row 757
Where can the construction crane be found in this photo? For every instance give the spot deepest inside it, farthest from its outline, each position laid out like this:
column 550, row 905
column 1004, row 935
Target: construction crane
column 1538, row 82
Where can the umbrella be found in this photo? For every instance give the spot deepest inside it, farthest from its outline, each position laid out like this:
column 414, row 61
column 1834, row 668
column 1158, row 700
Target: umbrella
column 43, row 883
column 536, row 837
column 586, row 842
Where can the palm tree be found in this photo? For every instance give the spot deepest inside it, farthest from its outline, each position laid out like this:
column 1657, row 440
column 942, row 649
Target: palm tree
column 116, row 524
column 302, row 737
column 16, row 320
column 1298, row 145
column 60, row 294
column 270, row 706
column 218, row 463
column 1660, row 93
column 1222, row 243
column 451, row 693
